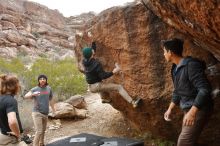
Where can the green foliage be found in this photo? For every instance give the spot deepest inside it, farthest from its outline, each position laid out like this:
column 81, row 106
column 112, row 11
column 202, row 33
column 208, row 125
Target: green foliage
column 63, row 76
column 43, row 55
column 36, row 34
column 13, row 66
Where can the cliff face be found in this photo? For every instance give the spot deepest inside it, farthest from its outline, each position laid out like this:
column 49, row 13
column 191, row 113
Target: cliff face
column 131, row 36
column 32, row 30
column 198, row 19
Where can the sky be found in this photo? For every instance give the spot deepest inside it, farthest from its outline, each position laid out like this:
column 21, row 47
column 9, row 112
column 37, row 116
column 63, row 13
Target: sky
column 76, row 7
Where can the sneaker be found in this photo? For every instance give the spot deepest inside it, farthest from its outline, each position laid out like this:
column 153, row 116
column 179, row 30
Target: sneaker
column 26, row 139
column 136, row 102
column 106, row 100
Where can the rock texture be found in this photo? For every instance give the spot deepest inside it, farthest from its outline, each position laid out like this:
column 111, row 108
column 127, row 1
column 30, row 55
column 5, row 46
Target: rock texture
column 32, row 30
column 131, row 36
column 73, row 107
column 77, row 101
column 199, row 19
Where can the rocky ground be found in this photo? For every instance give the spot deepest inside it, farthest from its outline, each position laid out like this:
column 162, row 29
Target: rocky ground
column 102, row 119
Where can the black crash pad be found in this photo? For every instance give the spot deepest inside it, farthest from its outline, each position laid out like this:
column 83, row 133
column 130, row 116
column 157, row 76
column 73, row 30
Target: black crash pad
column 85, row 139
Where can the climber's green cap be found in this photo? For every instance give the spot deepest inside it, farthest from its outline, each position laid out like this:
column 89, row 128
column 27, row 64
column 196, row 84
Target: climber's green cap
column 87, row 52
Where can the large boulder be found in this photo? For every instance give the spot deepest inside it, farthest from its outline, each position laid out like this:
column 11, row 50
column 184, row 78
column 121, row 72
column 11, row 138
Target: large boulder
column 77, row 101
column 198, row 19
column 131, row 35
column 73, row 107
column 66, row 110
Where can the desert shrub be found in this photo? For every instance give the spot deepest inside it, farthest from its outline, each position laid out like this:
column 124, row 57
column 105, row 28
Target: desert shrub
column 13, row 66
column 36, row 34
column 22, row 53
column 43, row 55
column 63, row 77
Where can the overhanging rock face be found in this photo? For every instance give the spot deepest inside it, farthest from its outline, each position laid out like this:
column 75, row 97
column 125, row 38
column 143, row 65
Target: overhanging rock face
column 131, row 36
column 199, row 19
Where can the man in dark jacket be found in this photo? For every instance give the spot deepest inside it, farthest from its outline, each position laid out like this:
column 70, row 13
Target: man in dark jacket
column 95, row 74
column 191, row 92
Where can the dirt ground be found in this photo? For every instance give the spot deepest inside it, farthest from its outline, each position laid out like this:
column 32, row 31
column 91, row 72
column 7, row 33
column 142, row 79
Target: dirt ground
column 102, row 120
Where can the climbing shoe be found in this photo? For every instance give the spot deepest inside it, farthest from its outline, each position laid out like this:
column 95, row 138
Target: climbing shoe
column 26, row 139
column 106, row 100
column 136, row 102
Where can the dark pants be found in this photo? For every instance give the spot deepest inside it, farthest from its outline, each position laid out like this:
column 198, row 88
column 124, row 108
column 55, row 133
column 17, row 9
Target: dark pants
column 190, row 134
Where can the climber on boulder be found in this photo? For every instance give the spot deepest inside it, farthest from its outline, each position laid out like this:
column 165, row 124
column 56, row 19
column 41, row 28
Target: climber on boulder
column 94, row 73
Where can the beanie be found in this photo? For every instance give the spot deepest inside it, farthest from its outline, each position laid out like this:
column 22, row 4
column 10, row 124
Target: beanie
column 87, row 52
column 42, row 76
